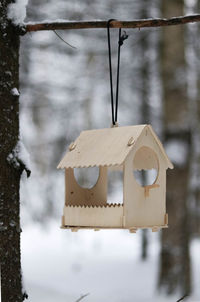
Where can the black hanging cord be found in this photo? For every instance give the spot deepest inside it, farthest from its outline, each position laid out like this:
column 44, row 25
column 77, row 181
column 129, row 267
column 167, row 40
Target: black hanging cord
column 110, row 68
column 120, row 43
column 117, row 85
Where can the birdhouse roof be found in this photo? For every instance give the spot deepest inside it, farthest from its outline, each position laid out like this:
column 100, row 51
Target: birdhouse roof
column 106, row 147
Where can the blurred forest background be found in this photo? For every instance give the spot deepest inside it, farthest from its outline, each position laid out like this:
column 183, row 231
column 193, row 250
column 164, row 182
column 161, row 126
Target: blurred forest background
column 66, row 90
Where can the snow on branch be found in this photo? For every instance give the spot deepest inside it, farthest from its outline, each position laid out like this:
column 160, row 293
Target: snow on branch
column 15, row 92
column 19, row 158
column 60, row 24
column 17, row 11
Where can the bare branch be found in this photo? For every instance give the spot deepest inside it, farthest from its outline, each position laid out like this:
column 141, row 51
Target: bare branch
column 114, row 24
column 182, row 298
column 82, row 297
column 63, row 40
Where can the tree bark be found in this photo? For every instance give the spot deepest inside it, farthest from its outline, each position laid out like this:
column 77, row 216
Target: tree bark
column 10, row 262
column 145, row 109
column 196, row 135
column 175, row 260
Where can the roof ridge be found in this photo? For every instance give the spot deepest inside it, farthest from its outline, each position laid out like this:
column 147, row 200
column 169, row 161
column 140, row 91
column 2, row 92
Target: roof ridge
column 106, row 147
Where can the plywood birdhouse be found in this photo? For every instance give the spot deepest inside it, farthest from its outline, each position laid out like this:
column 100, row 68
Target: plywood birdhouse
column 128, row 148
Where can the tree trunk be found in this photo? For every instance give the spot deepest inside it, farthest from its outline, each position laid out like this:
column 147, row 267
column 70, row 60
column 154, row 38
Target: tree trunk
column 195, row 115
column 175, row 260
column 144, row 90
column 11, row 287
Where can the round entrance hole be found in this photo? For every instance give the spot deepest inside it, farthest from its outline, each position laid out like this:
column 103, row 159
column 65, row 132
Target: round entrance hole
column 145, row 177
column 145, row 164
column 86, row 177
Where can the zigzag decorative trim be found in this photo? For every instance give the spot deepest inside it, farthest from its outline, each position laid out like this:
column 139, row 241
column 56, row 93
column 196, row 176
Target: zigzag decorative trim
column 111, row 205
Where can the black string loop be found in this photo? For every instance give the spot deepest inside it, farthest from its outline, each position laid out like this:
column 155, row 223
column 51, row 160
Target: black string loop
column 110, row 69
column 121, row 40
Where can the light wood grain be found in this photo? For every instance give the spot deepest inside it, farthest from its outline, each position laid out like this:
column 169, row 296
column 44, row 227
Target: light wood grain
column 128, row 148
column 95, row 217
column 107, row 147
column 76, row 195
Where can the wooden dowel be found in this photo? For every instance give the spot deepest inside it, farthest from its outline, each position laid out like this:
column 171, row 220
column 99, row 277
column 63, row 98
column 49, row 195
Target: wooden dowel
column 114, row 24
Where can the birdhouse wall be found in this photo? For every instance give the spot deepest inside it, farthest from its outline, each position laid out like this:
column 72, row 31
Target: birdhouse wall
column 100, row 217
column 78, row 196
column 141, row 209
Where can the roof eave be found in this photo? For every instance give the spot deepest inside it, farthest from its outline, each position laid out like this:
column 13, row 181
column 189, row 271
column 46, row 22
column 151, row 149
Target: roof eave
column 168, row 161
column 60, row 166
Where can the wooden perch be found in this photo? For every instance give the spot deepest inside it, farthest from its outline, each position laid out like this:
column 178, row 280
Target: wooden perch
column 114, row 24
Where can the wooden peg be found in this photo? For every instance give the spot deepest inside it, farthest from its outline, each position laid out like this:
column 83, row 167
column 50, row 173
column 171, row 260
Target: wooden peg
column 74, row 229
column 166, row 219
column 72, row 146
column 148, row 188
column 63, row 221
column 131, row 141
column 133, row 230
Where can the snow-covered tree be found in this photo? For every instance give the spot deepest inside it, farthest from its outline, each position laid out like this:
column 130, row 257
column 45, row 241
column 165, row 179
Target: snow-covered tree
column 10, row 162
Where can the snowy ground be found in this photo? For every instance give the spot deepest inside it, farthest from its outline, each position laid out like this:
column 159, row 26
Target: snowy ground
column 59, row 265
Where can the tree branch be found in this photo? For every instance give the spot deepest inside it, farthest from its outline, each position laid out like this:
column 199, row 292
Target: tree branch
column 82, row 297
column 182, row 298
column 114, row 24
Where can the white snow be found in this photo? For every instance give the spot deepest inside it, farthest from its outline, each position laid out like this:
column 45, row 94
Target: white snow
column 17, row 11
column 8, row 72
column 19, row 152
column 12, row 159
column 61, row 21
column 23, row 154
column 59, row 265
column 15, row 92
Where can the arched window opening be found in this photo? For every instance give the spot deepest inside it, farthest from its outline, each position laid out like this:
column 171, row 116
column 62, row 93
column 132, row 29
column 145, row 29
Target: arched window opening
column 145, row 177
column 145, row 166
column 86, row 177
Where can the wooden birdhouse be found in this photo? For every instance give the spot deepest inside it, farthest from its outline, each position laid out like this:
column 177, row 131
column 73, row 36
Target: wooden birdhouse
column 127, row 148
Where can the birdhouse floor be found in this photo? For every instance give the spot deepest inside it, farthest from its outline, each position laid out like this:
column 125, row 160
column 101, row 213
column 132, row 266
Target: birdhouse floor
column 131, row 230
column 102, row 217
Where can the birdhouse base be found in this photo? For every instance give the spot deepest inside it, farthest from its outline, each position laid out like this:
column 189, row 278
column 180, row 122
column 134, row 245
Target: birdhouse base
column 109, row 216
column 131, row 230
